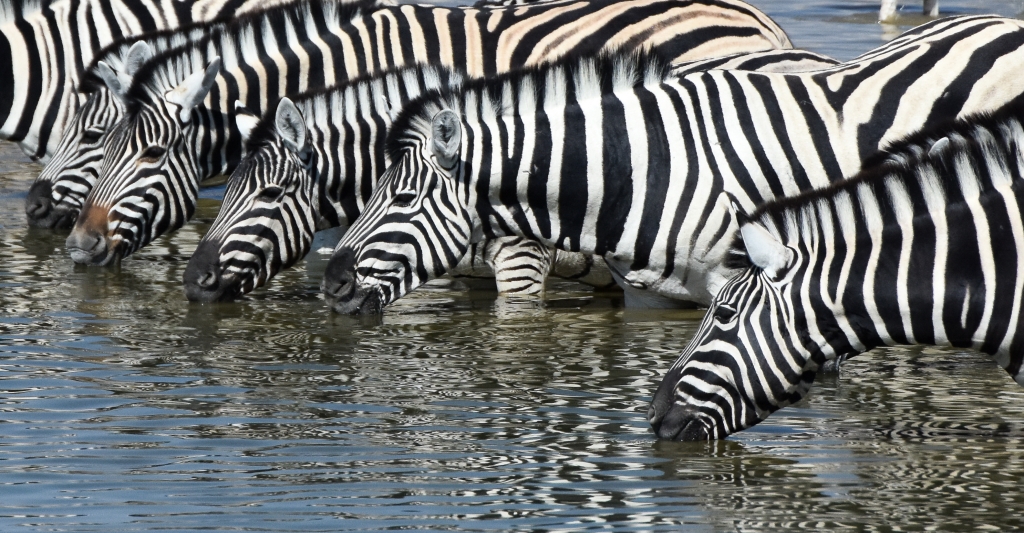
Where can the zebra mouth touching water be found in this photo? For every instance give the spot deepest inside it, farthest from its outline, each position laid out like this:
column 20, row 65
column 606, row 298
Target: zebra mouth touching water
column 344, row 294
column 43, row 212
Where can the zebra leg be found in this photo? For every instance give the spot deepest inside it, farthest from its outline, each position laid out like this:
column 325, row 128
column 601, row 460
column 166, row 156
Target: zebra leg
column 931, row 8
column 520, row 265
column 887, row 13
column 583, row 268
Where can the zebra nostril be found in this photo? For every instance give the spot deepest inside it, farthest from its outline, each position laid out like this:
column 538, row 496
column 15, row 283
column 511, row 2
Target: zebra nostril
column 38, row 202
column 208, row 280
column 339, row 277
column 652, row 414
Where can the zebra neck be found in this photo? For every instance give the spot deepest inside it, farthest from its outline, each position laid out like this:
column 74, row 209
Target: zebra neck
column 556, row 174
column 348, row 128
column 923, row 250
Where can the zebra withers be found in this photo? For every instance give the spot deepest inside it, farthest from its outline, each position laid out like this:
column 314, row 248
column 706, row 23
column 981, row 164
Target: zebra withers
column 46, row 46
column 922, row 247
column 120, row 216
column 603, row 159
column 278, row 195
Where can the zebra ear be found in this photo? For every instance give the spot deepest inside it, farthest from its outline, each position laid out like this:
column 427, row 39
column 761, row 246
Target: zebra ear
column 139, row 53
column 245, row 120
column 446, row 137
column 191, row 92
column 764, row 250
column 110, row 79
column 290, row 126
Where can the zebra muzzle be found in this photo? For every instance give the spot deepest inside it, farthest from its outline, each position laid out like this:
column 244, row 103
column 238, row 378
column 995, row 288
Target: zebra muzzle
column 87, row 247
column 41, row 210
column 203, row 280
column 341, row 291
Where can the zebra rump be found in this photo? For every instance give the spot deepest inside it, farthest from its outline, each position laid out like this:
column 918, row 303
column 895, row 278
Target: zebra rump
column 924, row 246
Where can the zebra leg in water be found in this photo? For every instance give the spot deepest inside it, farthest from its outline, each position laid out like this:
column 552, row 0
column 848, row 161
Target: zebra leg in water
column 887, row 13
column 924, row 247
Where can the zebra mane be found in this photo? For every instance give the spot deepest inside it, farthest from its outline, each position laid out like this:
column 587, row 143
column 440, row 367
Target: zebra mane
column 944, row 159
column 113, row 54
column 323, row 105
column 585, row 76
column 166, row 69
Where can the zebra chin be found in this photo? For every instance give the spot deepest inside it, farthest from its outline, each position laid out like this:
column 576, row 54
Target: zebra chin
column 43, row 213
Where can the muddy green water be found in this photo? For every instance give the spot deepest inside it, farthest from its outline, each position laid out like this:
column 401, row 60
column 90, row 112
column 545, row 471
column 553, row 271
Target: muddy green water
column 125, row 408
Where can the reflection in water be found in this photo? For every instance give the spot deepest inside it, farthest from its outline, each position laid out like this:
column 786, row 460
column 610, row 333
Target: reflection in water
column 125, row 408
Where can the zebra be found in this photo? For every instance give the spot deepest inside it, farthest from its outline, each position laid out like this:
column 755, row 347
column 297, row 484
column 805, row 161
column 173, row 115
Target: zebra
column 45, row 47
column 923, row 246
column 277, row 196
column 56, row 195
column 606, row 159
column 197, row 141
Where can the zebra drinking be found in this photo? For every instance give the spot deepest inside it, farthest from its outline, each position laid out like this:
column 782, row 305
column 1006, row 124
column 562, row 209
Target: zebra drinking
column 603, row 158
column 58, row 192
column 277, row 196
column 46, row 46
column 142, row 195
column 923, row 247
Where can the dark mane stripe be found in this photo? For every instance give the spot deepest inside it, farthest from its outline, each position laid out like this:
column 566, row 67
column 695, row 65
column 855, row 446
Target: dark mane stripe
column 643, row 64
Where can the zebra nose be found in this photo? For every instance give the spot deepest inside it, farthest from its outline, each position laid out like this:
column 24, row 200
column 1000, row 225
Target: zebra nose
column 202, row 278
column 85, row 245
column 38, row 203
column 340, row 275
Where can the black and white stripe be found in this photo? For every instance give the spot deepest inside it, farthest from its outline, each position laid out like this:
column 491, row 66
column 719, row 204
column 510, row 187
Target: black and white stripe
column 924, row 247
column 57, row 194
column 45, row 47
column 278, row 196
column 604, row 158
column 260, row 68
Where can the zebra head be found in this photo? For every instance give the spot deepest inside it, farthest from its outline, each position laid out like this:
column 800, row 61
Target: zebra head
column 269, row 214
column 753, row 354
column 147, row 183
column 394, row 246
column 59, row 191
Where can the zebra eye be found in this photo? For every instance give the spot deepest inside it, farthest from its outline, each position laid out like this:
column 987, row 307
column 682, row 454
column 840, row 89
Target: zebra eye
column 91, row 136
column 271, row 193
column 152, row 154
column 404, row 199
column 724, row 313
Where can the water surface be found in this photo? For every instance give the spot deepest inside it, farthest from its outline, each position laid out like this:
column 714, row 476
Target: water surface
column 125, row 408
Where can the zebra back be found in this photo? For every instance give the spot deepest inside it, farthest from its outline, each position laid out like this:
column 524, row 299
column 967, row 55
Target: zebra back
column 921, row 247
